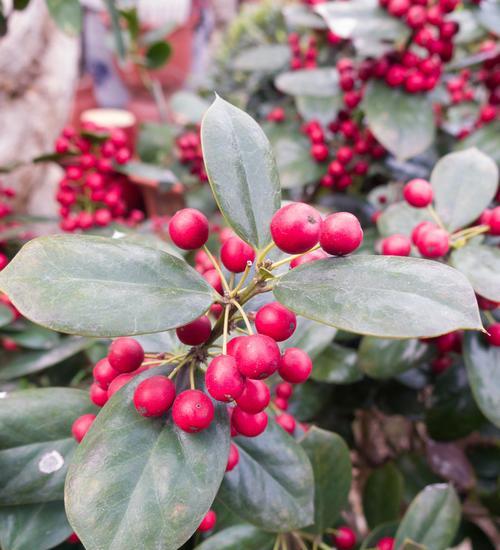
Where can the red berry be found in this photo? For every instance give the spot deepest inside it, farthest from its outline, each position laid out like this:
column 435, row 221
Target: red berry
column 309, row 257
column 255, row 397
column 295, row 227
column 188, row 229
column 433, row 243
column 396, row 245
column 449, row 342
column 281, row 404
column 4, row 261
column 485, row 304
column 104, row 373
column 233, row 344
column 193, row 411
column 295, row 366
column 344, row 155
column 103, row 217
column 235, row 254
column 119, row 382
column 195, row 333
column 286, row 421
column 276, row 321
column 319, row 152
column 344, row 538
column 419, row 230
column 494, row 221
column 208, row 522
column 341, row 234
column 98, row 396
column 223, row 379
column 257, row 356
column 250, row 425
column 395, row 76
column 441, row 363
column 213, row 279
column 387, row 543
column 125, row 354
column 284, row 390
column 154, row 396
column 398, row 8
column 494, row 334
column 233, row 458
column 81, row 426
column 418, row 193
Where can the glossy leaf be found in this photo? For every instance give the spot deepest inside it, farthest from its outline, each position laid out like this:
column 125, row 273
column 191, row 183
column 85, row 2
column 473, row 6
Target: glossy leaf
column 36, row 442
column 239, row 537
column 337, row 365
column 483, row 367
column 267, row 58
column 67, row 15
column 383, row 495
column 160, row 480
column 464, row 184
column 384, row 358
column 322, row 82
column 481, row 265
column 6, row 315
column 187, row 107
column 402, row 122
column 331, row 464
column 154, row 141
column 486, row 139
column 97, row 286
column 311, row 337
column 272, row 486
column 402, row 218
column 40, row 526
column 242, row 171
column 381, row 296
column 381, row 531
column 432, row 518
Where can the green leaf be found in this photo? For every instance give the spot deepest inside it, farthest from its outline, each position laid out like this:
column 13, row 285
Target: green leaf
column 31, row 336
column 6, row 315
column 381, row 531
column 483, row 366
column 242, row 171
column 311, row 337
column 239, row 537
column 382, row 358
column 36, row 442
column 403, row 123
column 40, row 526
column 309, row 82
column 381, row 296
column 267, row 58
column 464, row 184
column 114, row 16
column 187, row 107
column 272, row 486
column 489, row 16
column 331, row 464
column 30, row 362
column 97, row 286
column 383, row 495
column 337, row 365
column 321, row 109
column 481, row 265
column 141, row 479
column 157, row 55
column 486, row 139
column 410, row 545
column 432, row 518
column 301, row 16
column 401, row 218
column 67, row 15
column 148, row 171
column 154, row 142
column 21, row 4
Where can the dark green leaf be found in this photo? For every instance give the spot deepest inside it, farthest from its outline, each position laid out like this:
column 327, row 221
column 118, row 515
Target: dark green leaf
column 486, row 139
column 21, row 4
column 384, row 530
column 103, row 287
column 410, row 545
column 239, row 537
column 382, row 358
column 337, row 365
column 309, row 82
column 401, row 218
column 114, row 16
column 311, row 337
column 402, row 122
column 40, row 526
column 483, row 367
column 432, row 518
column 157, row 55
column 266, row 58
column 242, row 171
column 148, row 171
column 31, row 336
column 331, row 464
column 272, row 486
column 381, row 296
column 464, row 184
column 6, row 315
column 481, row 265
column 417, row 474
column 309, row 399
column 67, row 15
column 383, row 495
column 141, row 479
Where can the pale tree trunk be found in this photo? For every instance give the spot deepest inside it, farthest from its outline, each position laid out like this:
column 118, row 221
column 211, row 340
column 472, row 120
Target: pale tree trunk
column 38, row 73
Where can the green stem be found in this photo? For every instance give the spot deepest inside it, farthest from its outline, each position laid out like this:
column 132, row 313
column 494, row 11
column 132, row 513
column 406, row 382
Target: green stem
column 435, row 216
column 218, row 269
column 244, row 315
column 290, row 258
column 225, row 330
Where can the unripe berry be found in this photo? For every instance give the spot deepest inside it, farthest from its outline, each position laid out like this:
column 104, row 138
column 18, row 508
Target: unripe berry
column 276, row 321
column 418, row 193
column 387, row 543
column 309, row 257
column 284, row 390
column 208, row 522
column 340, row 234
column 396, row 245
column 193, row 411
column 233, row 458
column 97, row 395
column 188, row 229
column 235, row 254
column 494, row 334
column 286, row 421
column 344, row 538
column 257, row 356
column 154, row 396
column 223, row 379
column 104, row 373
column 249, row 425
column 433, row 243
column 125, row 354
column 81, row 426
column 295, row 227
column 255, row 397
column 195, row 333
column 295, row 366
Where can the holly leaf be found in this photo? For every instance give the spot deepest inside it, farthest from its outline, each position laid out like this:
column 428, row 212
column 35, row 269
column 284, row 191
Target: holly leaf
column 383, row 495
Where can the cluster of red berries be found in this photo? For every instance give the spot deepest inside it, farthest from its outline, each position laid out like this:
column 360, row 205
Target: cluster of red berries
column 189, row 153
column 6, row 194
column 303, row 58
column 489, row 73
column 459, row 87
column 91, row 193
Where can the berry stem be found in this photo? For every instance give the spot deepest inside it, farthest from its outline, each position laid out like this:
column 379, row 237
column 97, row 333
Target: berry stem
column 244, row 315
column 290, row 258
column 191, row 377
column 218, row 269
column 241, row 282
column 264, row 252
column 299, row 540
column 489, row 317
column 225, row 331
column 277, row 543
column 435, row 216
column 470, row 232
column 178, row 368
